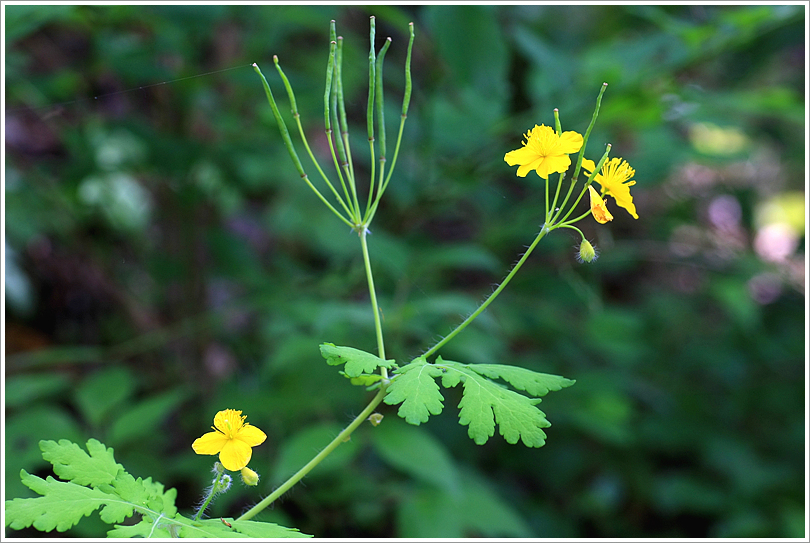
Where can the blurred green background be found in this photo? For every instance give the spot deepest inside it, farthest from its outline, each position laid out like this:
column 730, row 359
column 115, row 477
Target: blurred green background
column 164, row 262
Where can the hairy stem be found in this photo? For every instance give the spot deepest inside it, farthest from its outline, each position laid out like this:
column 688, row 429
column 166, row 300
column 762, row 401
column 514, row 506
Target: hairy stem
column 545, row 230
column 341, row 437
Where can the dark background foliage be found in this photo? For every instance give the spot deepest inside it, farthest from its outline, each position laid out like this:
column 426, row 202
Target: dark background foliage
column 164, row 261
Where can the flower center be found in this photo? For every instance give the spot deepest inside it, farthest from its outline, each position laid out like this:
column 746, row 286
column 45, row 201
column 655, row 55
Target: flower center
column 543, row 142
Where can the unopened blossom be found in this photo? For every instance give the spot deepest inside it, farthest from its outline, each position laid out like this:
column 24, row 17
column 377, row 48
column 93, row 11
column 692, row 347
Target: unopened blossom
column 249, row 477
column 587, row 252
column 598, row 208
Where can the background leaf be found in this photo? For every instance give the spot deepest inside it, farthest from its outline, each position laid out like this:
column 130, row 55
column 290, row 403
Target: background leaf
column 416, row 453
column 301, row 448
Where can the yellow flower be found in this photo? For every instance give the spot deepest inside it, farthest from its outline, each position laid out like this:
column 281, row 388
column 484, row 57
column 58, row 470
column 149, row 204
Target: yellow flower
column 598, row 208
column 544, row 151
column 232, row 440
column 615, row 180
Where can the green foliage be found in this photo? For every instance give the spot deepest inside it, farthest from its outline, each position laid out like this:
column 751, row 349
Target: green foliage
column 474, row 510
column 366, row 380
column 208, row 528
column 484, row 403
column 417, row 453
column 94, row 482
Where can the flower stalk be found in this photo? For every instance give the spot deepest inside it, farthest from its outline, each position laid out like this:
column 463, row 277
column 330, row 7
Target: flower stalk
column 220, row 485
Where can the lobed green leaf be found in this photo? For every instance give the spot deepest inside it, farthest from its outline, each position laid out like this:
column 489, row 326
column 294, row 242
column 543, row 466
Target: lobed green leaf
column 145, row 528
column 94, row 482
column 486, row 403
column 536, row 384
column 61, row 505
column 71, row 463
column 357, row 362
column 215, row 527
column 415, row 387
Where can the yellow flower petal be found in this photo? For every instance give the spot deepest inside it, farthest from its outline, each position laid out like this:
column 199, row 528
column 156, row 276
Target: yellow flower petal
column 251, row 435
column 235, row 455
column 526, row 168
column 524, row 155
column 598, row 208
column 229, row 421
column 210, row 443
column 571, row 142
column 588, row 165
column 555, row 164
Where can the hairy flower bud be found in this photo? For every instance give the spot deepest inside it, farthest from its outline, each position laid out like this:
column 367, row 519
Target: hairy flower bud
column 249, row 477
column 587, row 252
column 222, row 485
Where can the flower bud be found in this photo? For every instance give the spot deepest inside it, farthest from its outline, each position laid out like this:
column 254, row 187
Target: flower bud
column 222, row 485
column 375, row 419
column 587, row 252
column 249, row 477
column 598, row 208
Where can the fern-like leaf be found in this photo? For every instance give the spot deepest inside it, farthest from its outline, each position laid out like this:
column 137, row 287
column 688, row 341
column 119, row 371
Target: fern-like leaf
column 485, row 403
column 536, row 384
column 415, row 387
column 61, row 505
column 357, row 362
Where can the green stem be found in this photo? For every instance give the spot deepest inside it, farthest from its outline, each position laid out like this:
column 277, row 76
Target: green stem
column 341, row 437
column 302, row 134
column 594, row 173
column 372, row 292
column 492, row 296
column 588, row 131
column 342, row 124
column 210, row 496
column 372, row 79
